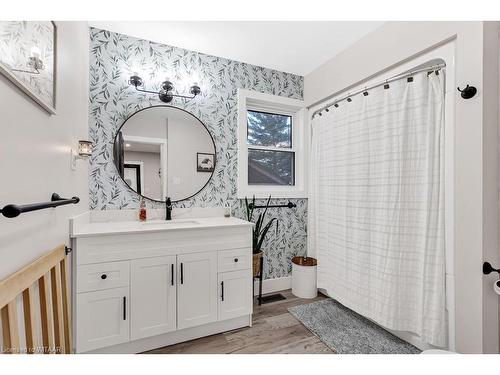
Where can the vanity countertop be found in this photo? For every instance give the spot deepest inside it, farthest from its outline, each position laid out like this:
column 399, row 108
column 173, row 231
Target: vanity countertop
column 85, row 226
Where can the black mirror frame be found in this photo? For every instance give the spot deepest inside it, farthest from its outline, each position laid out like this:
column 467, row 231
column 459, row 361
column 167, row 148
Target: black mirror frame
column 180, row 109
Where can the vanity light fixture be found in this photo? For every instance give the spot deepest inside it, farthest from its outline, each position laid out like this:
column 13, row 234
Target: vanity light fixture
column 84, row 149
column 165, row 94
column 35, row 63
column 84, row 152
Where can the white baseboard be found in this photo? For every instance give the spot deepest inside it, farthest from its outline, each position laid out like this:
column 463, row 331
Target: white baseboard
column 273, row 285
column 159, row 341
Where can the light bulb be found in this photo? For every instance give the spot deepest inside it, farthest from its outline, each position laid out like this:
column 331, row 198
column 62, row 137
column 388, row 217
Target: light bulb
column 195, row 78
column 35, row 52
column 84, row 148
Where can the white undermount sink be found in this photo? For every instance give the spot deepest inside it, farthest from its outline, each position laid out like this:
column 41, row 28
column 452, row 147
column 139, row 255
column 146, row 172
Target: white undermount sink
column 170, row 222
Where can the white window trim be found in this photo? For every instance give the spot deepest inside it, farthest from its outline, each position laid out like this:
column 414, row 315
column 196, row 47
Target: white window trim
column 248, row 99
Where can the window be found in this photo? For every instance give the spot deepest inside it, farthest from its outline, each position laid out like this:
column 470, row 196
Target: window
column 271, row 167
column 269, row 129
column 271, row 146
column 271, row 160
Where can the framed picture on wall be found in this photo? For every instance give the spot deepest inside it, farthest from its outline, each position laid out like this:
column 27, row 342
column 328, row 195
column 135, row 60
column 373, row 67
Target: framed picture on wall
column 28, row 59
column 205, row 162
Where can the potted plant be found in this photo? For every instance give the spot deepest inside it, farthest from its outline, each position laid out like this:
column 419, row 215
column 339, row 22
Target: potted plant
column 259, row 231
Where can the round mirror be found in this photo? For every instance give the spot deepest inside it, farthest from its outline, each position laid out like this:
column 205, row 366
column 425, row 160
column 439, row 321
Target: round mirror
column 164, row 151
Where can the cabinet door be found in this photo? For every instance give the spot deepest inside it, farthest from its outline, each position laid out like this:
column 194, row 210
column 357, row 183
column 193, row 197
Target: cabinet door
column 197, row 289
column 235, row 294
column 153, row 296
column 103, row 318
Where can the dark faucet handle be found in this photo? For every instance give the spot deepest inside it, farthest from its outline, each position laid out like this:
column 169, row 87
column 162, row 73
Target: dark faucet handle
column 168, row 209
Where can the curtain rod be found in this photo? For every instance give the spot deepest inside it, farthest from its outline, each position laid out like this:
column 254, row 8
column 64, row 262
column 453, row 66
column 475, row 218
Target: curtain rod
column 388, row 80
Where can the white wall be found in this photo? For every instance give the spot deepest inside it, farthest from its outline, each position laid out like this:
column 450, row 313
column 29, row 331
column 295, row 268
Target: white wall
column 185, row 139
column 34, row 154
column 490, row 97
column 476, row 196
column 151, row 167
column 151, row 123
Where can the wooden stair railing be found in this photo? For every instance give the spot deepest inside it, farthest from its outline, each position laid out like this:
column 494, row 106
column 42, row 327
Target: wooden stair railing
column 50, row 272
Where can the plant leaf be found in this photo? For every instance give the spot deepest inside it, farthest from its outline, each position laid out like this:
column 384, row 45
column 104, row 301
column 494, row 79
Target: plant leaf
column 264, row 232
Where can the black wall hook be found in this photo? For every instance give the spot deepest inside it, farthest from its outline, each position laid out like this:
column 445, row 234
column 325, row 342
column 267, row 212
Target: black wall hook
column 488, row 268
column 468, row 92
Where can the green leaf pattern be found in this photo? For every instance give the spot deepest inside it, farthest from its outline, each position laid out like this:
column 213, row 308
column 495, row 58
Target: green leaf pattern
column 114, row 57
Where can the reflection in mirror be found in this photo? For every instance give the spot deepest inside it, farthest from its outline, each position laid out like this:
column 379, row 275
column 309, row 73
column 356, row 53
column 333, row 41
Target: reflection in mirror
column 164, row 151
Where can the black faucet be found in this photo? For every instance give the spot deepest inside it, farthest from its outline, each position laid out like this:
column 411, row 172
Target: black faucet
column 168, row 209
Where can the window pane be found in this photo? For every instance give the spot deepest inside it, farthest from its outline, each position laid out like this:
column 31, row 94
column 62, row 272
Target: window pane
column 269, row 129
column 271, row 167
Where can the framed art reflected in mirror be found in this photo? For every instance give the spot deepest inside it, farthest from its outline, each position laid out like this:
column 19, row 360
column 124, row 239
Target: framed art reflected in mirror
column 205, row 162
column 28, row 59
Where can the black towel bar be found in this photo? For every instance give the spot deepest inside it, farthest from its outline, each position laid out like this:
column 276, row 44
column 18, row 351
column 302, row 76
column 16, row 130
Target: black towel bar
column 288, row 205
column 13, row 210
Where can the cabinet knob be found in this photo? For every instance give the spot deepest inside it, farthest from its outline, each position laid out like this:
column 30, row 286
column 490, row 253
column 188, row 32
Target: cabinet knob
column 235, row 260
column 104, row 276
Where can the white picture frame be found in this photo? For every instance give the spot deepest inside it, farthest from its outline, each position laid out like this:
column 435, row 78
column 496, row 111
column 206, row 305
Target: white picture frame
column 18, row 42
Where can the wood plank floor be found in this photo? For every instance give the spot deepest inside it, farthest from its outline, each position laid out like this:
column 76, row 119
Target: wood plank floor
column 274, row 330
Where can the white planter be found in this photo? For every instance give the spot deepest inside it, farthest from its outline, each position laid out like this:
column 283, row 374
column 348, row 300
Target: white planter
column 304, row 271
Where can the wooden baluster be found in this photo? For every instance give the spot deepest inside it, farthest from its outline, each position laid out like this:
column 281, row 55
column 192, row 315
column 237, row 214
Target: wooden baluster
column 29, row 319
column 66, row 307
column 50, row 270
column 45, row 313
column 55, row 282
column 10, row 329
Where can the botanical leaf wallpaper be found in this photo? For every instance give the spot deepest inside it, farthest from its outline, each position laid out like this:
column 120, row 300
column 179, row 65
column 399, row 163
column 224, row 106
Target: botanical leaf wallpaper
column 114, row 57
column 20, row 40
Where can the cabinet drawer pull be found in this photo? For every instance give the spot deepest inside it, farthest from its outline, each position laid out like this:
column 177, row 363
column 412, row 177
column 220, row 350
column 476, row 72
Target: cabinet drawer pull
column 124, row 308
column 182, row 274
column 236, row 260
column 104, row 276
column 222, row 290
column 172, row 279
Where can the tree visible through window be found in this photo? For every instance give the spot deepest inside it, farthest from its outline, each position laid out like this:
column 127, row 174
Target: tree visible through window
column 271, row 160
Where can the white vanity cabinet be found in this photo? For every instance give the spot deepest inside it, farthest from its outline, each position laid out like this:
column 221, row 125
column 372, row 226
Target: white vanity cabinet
column 103, row 318
column 197, row 299
column 152, row 284
column 137, row 287
column 235, row 287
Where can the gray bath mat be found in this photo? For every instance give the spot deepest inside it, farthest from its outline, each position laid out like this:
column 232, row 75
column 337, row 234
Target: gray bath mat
column 347, row 332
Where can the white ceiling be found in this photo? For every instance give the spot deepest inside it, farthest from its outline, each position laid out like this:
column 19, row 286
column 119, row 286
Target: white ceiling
column 142, row 147
column 296, row 47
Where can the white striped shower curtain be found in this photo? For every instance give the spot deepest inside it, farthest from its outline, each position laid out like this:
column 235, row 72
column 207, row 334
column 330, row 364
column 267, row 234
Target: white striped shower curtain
column 376, row 211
